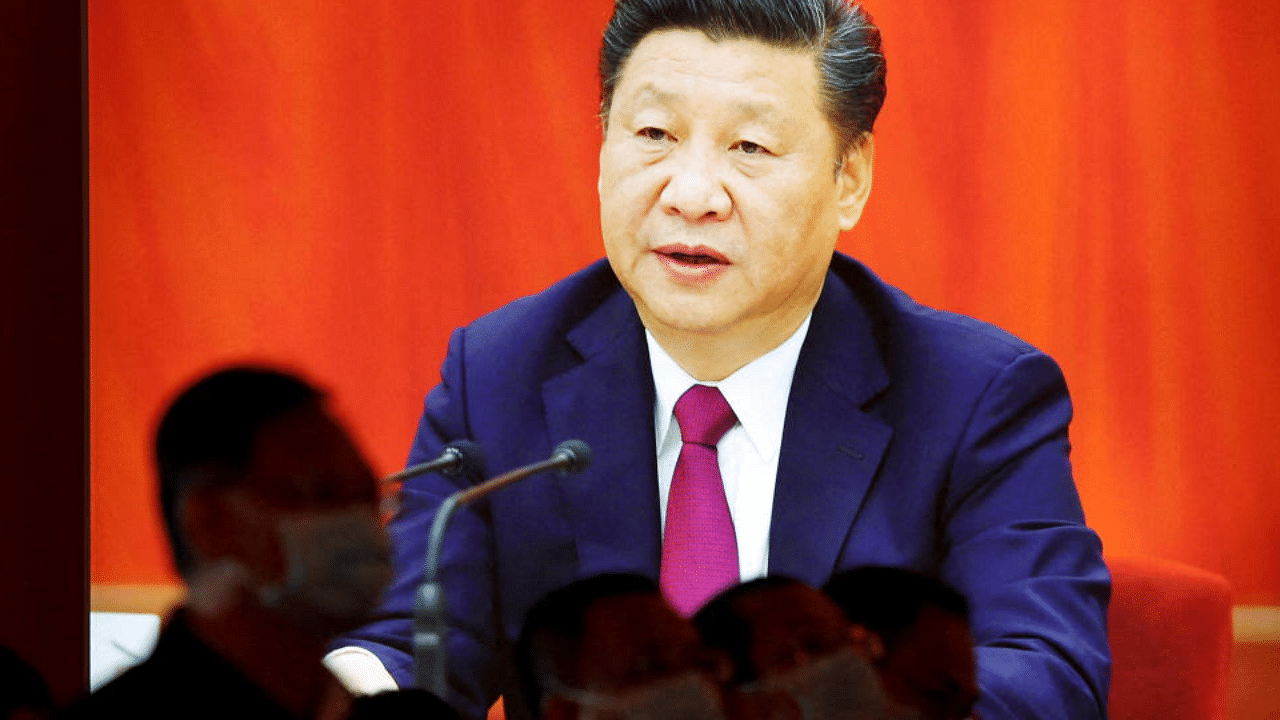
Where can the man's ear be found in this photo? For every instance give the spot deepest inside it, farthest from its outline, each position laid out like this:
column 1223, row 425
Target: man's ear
column 600, row 162
column 204, row 523
column 854, row 177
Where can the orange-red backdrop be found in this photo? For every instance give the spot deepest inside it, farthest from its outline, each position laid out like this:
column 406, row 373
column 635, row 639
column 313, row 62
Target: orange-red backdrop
column 337, row 185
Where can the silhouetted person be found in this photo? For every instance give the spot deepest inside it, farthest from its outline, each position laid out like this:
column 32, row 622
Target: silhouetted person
column 24, row 695
column 918, row 627
column 609, row 647
column 272, row 518
column 410, row 704
column 794, row 654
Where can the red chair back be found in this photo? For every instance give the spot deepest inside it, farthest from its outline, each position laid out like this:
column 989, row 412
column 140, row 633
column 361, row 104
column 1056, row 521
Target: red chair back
column 1170, row 632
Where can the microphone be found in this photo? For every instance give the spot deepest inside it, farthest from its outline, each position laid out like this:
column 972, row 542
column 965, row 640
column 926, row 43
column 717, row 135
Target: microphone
column 460, row 457
column 430, row 630
column 570, row 458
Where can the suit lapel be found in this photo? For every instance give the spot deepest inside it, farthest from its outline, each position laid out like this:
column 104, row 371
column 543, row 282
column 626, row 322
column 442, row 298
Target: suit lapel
column 607, row 401
column 831, row 448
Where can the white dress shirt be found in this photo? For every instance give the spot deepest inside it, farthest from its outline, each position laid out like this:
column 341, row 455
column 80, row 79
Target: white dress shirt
column 748, row 453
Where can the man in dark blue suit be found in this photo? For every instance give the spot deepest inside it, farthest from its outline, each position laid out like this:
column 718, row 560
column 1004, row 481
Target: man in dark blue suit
column 866, row 429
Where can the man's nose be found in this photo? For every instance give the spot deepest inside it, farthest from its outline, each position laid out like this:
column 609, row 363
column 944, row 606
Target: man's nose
column 695, row 188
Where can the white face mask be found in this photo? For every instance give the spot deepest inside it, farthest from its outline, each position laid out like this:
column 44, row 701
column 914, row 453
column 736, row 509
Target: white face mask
column 688, row 696
column 337, row 565
column 840, row 686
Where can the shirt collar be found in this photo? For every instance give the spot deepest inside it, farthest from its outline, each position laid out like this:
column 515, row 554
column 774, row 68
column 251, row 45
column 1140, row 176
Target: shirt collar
column 757, row 392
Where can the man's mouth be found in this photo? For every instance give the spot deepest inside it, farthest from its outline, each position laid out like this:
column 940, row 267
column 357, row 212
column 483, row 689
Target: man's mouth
column 692, row 255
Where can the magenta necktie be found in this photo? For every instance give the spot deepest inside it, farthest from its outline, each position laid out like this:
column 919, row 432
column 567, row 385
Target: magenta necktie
column 699, row 548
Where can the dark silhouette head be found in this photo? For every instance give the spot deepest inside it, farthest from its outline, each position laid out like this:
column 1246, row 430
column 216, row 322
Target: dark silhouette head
column 603, row 637
column 770, row 625
column 794, row 654
column 922, row 624
column 888, row 600
column 208, row 434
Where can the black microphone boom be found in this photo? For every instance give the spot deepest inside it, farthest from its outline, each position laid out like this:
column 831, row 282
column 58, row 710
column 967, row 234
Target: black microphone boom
column 430, row 630
column 460, row 457
column 570, row 458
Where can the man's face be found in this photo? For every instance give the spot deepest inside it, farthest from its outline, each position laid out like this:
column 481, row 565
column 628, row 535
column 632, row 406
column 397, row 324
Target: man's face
column 798, row 640
column 301, row 522
column 791, row 625
column 303, row 462
column 633, row 640
column 638, row 660
column 720, row 199
column 931, row 667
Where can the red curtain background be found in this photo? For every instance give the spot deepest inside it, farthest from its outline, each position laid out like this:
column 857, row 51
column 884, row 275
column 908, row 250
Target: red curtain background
column 337, row 185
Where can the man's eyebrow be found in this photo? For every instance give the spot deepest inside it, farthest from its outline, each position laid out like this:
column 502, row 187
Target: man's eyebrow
column 754, row 109
column 649, row 90
column 763, row 111
column 765, row 115
column 750, row 108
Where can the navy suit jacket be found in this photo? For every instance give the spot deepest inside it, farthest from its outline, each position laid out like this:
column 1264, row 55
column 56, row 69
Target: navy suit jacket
column 913, row 437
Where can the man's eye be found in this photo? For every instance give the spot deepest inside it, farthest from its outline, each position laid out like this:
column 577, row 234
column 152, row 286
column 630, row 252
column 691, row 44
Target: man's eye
column 655, row 134
column 750, row 148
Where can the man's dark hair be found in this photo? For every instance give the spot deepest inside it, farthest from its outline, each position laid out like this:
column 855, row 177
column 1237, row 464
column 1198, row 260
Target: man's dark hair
column 554, row 627
column 724, row 628
column 841, row 35
column 207, row 436
column 888, row 600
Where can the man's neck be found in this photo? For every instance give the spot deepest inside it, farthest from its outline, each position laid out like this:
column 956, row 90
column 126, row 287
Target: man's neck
column 714, row 356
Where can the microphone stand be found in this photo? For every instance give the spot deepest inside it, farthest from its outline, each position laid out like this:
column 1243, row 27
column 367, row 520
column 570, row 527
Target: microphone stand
column 429, row 629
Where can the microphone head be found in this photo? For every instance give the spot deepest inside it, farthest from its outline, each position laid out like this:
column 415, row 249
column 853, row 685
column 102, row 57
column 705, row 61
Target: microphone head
column 577, row 456
column 471, row 462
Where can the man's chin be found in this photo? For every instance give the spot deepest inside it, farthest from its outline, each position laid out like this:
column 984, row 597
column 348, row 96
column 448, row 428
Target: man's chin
column 674, row 310
column 693, row 326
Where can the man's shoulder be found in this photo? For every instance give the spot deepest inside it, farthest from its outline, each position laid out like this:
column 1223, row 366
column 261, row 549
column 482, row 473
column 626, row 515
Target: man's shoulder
column 148, row 689
column 123, row 694
column 551, row 313
column 182, row 678
column 904, row 328
column 923, row 356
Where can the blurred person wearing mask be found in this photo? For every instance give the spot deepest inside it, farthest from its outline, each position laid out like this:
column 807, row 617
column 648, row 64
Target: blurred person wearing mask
column 272, row 517
column 795, row 656
column 919, row 629
column 609, row 647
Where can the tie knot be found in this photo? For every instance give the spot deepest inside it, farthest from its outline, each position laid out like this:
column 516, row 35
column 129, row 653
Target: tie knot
column 704, row 415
